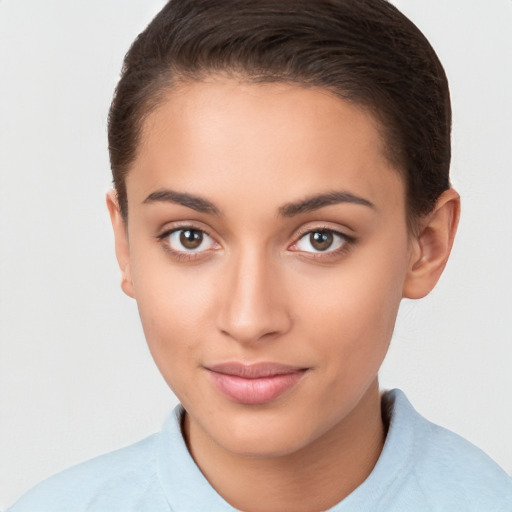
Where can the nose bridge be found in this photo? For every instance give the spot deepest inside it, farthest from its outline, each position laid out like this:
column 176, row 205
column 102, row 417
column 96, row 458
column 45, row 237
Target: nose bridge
column 254, row 303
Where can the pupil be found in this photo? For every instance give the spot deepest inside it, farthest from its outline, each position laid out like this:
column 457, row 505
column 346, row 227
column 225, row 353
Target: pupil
column 321, row 240
column 191, row 239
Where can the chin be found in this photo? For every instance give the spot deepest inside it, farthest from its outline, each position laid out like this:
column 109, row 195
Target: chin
column 266, row 434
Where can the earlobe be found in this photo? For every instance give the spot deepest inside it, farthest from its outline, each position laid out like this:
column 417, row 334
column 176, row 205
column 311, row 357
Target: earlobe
column 431, row 247
column 121, row 242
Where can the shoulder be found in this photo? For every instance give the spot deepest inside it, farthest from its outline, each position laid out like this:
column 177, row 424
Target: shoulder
column 450, row 464
column 156, row 474
column 122, row 480
column 447, row 469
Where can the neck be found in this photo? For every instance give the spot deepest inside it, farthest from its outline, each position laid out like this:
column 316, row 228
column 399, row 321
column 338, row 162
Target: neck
column 314, row 478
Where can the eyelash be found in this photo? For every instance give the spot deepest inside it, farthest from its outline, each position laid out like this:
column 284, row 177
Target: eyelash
column 347, row 243
column 182, row 255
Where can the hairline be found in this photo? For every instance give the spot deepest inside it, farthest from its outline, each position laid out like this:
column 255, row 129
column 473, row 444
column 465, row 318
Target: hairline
column 174, row 80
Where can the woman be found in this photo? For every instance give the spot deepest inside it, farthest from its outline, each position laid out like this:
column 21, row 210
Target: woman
column 281, row 183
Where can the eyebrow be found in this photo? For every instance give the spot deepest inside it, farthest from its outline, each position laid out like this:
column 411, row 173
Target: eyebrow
column 309, row 204
column 318, row 201
column 190, row 201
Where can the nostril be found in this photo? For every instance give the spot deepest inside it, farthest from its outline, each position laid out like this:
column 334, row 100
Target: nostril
column 253, row 306
column 259, row 325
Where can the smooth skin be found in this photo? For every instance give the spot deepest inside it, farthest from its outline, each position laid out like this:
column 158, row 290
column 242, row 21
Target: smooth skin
column 220, row 252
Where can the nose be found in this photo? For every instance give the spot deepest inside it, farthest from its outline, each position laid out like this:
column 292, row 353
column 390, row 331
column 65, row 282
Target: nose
column 254, row 304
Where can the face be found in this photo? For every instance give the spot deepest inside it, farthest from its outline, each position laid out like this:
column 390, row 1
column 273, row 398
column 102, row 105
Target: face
column 267, row 249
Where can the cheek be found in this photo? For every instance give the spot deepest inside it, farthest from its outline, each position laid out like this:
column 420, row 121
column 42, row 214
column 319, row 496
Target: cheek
column 350, row 311
column 175, row 310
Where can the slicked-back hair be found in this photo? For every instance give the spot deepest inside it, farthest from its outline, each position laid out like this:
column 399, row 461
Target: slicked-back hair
column 364, row 51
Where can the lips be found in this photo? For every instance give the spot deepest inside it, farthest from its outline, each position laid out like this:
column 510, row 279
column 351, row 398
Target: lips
column 254, row 384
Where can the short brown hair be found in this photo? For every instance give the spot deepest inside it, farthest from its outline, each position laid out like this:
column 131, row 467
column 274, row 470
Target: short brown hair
column 364, row 51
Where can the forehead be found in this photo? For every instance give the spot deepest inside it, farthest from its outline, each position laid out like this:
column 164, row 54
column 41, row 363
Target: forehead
column 273, row 140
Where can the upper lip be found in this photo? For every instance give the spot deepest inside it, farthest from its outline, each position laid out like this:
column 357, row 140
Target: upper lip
column 254, row 371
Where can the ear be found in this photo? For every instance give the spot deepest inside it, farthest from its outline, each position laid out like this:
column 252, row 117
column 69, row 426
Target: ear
column 432, row 246
column 121, row 242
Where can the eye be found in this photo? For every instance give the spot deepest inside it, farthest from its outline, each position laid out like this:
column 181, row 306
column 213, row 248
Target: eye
column 321, row 241
column 189, row 240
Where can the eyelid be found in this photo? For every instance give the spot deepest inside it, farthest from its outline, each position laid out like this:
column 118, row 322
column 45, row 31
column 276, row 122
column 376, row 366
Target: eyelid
column 304, row 230
column 313, row 227
column 349, row 241
column 185, row 255
column 169, row 227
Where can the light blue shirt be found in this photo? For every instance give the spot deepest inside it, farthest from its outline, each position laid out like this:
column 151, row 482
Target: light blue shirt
column 422, row 467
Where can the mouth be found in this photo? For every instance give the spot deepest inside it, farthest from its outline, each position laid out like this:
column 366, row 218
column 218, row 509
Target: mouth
column 254, row 384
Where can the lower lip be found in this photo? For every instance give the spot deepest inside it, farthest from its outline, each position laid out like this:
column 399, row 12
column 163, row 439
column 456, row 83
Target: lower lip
column 254, row 391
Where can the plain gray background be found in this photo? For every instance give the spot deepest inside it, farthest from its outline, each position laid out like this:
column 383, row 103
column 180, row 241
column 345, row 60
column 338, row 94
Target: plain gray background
column 76, row 378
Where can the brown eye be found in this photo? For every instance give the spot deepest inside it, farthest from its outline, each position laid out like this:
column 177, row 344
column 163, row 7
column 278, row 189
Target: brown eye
column 191, row 238
column 321, row 240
